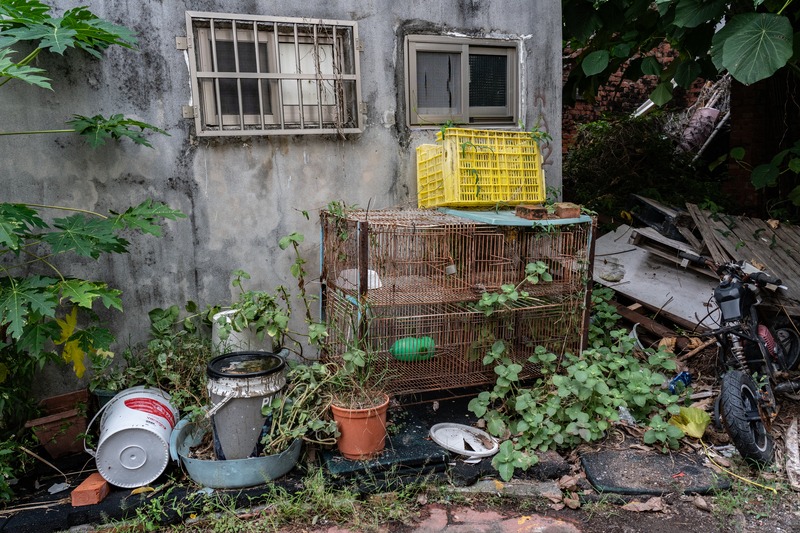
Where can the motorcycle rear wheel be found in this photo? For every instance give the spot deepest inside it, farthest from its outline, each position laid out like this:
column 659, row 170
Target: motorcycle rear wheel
column 738, row 398
column 786, row 330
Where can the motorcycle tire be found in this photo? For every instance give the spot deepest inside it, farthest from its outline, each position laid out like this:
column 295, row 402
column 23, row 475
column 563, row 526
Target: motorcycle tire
column 739, row 396
column 787, row 332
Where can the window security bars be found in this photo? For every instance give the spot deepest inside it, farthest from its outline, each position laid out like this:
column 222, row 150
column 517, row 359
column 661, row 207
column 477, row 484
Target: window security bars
column 254, row 75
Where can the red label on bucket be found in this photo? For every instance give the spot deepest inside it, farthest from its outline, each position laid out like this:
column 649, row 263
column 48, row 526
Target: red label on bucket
column 151, row 406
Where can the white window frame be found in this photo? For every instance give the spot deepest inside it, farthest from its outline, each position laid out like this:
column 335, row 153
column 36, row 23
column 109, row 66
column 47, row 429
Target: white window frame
column 472, row 115
column 284, row 119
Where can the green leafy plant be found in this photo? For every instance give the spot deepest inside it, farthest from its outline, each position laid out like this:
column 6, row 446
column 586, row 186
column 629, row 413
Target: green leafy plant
column 537, row 134
column 757, row 40
column 663, row 432
column 269, row 313
column 754, row 44
column 604, row 317
column 490, row 302
column 301, row 412
column 616, row 156
column 574, row 400
column 173, row 360
column 32, row 24
column 31, row 303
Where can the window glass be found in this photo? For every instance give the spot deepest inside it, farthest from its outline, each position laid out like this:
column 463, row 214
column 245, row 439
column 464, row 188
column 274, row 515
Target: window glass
column 438, row 80
column 307, row 66
column 488, row 80
column 229, row 94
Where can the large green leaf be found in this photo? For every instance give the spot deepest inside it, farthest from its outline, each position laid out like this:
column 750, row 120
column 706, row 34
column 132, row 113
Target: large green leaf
column 595, row 63
column 762, row 45
column 721, row 37
column 662, row 94
column 764, row 175
column 98, row 129
column 687, row 72
column 144, row 215
column 794, row 195
column 581, row 19
column 9, row 69
column 691, row 13
column 651, row 66
column 19, row 298
column 36, row 335
column 88, row 237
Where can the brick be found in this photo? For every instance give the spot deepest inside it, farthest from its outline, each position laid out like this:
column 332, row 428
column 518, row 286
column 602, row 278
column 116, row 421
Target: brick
column 470, row 516
column 531, row 212
column 436, row 521
column 567, row 210
column 536, row 523
column 93, row 489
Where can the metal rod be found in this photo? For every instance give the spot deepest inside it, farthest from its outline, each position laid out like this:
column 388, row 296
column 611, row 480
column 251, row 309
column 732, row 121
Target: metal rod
column 238, row 80
column 258, row 71
column 216, row 69
column 319, row 72
column 299, row 83
column 278, row 69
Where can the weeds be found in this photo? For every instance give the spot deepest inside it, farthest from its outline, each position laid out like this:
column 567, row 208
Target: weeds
column 742, row 497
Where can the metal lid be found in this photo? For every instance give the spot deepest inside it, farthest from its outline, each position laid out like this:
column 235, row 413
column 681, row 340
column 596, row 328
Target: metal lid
column 132, row 457
column 245, row 365
column 464, row 440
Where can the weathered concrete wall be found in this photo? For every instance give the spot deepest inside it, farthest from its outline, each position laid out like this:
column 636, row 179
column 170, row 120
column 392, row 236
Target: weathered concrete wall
column 240, row 194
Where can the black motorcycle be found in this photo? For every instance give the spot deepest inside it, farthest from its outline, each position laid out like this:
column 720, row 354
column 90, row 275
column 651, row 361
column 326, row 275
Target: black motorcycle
column 756, row 355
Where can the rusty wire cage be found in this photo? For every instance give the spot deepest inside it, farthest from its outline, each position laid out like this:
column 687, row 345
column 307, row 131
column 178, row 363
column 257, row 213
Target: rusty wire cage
column 422, row 256
column 393, row 275
column 461, row 335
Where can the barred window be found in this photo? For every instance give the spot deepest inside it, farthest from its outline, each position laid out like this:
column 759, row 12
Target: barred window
column 463, row 80
column 254, row 75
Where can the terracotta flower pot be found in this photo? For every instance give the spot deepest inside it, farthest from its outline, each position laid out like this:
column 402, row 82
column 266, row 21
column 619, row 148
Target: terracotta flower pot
column 363, row 431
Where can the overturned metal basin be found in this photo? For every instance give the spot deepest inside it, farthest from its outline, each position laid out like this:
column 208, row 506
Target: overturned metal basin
column 231, row 474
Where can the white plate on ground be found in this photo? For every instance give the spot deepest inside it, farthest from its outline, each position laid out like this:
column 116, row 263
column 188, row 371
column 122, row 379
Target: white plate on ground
column 464, row 440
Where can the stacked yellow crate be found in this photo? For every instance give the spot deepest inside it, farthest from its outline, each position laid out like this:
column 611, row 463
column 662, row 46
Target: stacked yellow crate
column 480, row 168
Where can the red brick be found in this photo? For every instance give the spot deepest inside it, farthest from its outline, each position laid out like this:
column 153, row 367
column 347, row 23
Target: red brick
column 533, row 523
column 470, row 516
column 436, row 522
column 93, row 489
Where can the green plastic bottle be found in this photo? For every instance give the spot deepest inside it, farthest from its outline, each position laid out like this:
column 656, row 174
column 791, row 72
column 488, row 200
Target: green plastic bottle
column 412, row 349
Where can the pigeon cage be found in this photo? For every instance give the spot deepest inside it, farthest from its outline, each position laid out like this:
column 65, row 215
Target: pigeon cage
column 405, row 285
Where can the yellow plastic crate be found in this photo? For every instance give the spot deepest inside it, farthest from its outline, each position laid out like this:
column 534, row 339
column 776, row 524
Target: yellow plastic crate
column 480, row 168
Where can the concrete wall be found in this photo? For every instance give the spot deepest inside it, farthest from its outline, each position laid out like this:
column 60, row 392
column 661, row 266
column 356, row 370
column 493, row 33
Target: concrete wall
column 240, row 194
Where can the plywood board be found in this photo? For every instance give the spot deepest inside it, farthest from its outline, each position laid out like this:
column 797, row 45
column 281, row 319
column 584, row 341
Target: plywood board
column 652, row 279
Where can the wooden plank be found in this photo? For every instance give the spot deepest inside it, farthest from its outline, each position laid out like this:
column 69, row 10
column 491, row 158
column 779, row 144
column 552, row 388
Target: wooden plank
column 650, row 325
column 691, row 239
column 708, row 234
column 792, row 235
column 721, row 234
column 772, row 258
column 675, row 319
column 655, row 243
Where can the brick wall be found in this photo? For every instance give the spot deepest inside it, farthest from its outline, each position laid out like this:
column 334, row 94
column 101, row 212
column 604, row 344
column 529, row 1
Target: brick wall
column 619, row 96
column 765, row 119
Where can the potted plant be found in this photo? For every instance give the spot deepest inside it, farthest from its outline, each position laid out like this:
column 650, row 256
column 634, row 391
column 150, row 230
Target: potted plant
column 358, row 394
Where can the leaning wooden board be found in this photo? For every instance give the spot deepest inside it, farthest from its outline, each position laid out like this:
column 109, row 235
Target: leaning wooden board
column 753, row 240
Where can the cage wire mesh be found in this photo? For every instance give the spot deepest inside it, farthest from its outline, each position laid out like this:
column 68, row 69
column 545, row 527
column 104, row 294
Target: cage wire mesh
column 424, row 272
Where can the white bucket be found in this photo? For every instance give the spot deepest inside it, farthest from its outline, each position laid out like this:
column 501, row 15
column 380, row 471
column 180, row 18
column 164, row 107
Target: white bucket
column 133, row 449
